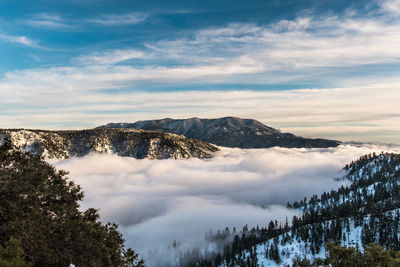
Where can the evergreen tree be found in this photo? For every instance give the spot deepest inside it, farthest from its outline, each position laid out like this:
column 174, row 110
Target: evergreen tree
column 40, row 223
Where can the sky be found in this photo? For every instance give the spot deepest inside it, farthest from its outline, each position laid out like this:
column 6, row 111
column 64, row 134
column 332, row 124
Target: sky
column 315, row 68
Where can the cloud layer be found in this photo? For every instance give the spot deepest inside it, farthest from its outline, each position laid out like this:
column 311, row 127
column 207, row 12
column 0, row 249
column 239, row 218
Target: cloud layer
column 157, row 202
column 357, row 113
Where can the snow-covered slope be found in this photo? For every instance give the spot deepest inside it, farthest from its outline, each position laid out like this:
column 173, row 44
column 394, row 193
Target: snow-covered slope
column 124, row 142
column 366, row 211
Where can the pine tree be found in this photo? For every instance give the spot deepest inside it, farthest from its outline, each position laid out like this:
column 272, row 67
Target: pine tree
column 40, row 221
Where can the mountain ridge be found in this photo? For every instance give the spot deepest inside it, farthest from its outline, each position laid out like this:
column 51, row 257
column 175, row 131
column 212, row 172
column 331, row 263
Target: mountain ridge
column 228, row 132
column 134, row 143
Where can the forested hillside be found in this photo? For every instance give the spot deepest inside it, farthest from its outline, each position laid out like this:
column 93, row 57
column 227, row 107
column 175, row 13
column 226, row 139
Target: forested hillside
column 364, row 212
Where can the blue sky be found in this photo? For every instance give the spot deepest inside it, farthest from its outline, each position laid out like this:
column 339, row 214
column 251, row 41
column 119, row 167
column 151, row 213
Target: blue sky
column 316, row 68
column 56, row 31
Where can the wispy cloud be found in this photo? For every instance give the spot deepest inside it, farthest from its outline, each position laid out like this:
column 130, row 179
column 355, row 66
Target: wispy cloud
column 109, row 57
column 23, row 40
column 118, row 19
column 45, row 20
column 303, row 43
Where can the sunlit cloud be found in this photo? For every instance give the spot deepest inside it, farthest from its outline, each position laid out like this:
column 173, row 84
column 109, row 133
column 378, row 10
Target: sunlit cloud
column 354, row 113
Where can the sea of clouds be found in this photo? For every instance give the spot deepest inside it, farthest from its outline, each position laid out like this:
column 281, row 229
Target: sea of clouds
column 159, row 201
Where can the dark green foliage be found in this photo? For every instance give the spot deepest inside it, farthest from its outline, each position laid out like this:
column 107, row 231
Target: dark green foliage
column 342, row 256
column 12, row 254
column 374, row 256
column 337, row 256
column 40, row 223
column 302, row 263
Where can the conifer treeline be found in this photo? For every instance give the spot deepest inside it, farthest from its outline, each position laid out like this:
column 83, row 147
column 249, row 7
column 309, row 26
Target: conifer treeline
column 371, row 201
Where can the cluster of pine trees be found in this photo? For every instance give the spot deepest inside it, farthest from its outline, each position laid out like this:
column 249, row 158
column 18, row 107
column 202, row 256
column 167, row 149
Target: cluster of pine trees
column 40, row 224
column 339, row 256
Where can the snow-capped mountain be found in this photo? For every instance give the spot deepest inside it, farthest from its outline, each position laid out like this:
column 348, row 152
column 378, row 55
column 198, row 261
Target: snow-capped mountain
column 124, row 142
column 228, row 131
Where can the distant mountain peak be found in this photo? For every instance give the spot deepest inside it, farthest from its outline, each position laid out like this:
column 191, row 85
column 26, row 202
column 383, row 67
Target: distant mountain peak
column 227, row 131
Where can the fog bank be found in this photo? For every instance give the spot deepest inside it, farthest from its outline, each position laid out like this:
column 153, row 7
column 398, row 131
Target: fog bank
column 159, row 201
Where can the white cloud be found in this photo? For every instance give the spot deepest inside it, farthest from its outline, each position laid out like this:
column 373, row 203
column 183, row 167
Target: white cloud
column 18, row 40
column 110, row 57
column 46, row 20
column 392, row 6
column 157, row 202
column 368, row 113
column 118, row 20
column 55, row 21
column 289, row 45
column 295, row 48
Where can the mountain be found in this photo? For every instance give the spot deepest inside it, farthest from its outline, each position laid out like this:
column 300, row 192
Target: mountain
column 365, row 211
column 134, row 143
column 228, row 132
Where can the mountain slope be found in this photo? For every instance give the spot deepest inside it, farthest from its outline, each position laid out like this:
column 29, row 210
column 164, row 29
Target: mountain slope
column 365, row 211
column 124, row 142
column 228, row 131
